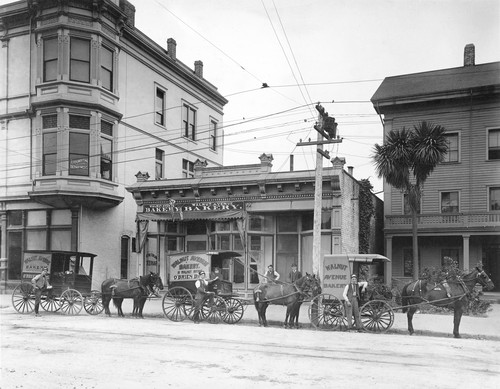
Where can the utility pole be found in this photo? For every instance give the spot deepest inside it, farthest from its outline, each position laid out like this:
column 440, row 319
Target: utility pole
column 327, row 134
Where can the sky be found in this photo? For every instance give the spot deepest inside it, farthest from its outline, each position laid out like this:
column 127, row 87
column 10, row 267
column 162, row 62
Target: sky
column 336, row 52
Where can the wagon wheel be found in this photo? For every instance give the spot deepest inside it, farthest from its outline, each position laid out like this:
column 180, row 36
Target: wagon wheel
column 93, row 303
column 215, row 311
column 377, row 316
column 177, row 303
column 327, row 312
column 235, row 311
column 50, row 303
column 23, row 298
column 71, row 302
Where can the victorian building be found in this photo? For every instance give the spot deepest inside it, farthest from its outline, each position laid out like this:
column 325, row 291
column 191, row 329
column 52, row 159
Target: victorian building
column 87, row 100
column 460, row 207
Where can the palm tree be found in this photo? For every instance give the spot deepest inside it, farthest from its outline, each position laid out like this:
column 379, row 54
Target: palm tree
column 406, row 160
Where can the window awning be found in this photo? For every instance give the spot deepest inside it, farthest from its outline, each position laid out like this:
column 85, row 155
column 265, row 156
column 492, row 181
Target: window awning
column 192, row 215
column 367, row 258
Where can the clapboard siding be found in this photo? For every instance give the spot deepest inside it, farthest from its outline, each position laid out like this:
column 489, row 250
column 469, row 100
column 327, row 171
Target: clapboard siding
column 473, row 174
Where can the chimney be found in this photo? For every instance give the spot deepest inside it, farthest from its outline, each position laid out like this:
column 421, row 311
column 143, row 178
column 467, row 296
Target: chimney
column 129, row 11
column 171, row 48
column 469, row 55
column 198, row 68
column 350, row 169
column 291, row 162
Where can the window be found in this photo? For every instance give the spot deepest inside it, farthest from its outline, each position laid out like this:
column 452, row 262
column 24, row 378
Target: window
column 452, row 154
column 107, row 68
column 187, row 169
column 49, row 153
column 495, row 199
column 308, row 221
column 78, row 154
column 160, row 107
column 189, row 121
column 106, row 150
column 159, row 164
column 79, row 60
column 124, row 257
column 407, row 262
column 213, row 135
column 50, row 59
column 406, row 206
column 49, row 145
column 449, row 202
column 494, row 144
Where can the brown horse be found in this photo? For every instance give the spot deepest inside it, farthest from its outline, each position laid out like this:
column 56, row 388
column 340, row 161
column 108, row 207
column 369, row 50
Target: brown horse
column 290, row 295
column 136, row 289
column 417, row 292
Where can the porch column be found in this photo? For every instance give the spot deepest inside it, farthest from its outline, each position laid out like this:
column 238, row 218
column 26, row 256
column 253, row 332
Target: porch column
column 3, row 250
column 466, row 251
column 388, row 265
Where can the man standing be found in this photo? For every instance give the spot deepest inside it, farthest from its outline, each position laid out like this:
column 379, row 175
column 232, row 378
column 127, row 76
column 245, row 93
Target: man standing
column 351, row 297
column 201, row 291
column 271, row 275
column 40, row 284
column 294, row 274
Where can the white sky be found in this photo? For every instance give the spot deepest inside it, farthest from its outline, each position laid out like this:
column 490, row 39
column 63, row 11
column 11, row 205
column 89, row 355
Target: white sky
column 341, row 50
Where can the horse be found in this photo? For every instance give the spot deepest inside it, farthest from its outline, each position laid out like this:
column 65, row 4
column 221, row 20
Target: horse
column 136, row 289
column 293, row 321
column 283, row 294
column 417, row 292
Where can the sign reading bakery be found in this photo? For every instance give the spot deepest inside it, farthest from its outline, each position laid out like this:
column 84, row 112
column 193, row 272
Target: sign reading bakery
column 194, row 207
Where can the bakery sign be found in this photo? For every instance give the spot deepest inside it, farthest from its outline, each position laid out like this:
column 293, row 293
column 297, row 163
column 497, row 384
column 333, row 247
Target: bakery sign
column 193, row 207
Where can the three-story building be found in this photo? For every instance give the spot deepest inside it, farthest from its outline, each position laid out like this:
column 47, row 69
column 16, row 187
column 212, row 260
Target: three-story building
column 460, row 207
column 86, row 101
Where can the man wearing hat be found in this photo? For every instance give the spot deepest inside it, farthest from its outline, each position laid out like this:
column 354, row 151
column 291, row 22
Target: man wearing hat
column 40, row 284
column 294, row 274
column 351, row 297
column 201, row 292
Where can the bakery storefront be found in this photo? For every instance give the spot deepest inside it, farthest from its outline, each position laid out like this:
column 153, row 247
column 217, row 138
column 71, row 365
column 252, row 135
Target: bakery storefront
column 266, row 217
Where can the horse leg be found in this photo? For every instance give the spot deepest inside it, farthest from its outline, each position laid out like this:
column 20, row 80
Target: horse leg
column 288, row 316
column 264, row 309
column 296, row 315
column 457, row 317
column 142, row 302
column 105, row 302
column 409, row 315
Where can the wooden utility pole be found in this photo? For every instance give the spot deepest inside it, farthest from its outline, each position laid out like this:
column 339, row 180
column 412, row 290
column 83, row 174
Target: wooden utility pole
column 327, row 130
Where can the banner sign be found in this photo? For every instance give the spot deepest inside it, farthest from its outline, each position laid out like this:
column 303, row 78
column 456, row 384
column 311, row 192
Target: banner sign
column 336, row 274
column 193, row 207
column 185, row 267
column 33, row 264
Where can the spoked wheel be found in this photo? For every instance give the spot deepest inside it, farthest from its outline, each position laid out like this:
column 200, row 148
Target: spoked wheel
column 235, row 311
column 213, row 312
column 377, row 316
column 93, row 303
column 177, row 303
column 71, row 302
column 23, row 298
column 327, row 312
column 50, row 303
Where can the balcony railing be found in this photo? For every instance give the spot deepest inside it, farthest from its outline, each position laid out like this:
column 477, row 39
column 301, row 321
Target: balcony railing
column 450, row 220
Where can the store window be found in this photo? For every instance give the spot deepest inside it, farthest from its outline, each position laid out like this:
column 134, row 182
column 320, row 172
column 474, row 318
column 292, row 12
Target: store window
column 308, row 221
column 79, row 60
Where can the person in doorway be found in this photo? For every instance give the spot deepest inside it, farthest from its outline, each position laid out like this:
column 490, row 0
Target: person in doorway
column 40, row 284
column 295, row 274
column 216, row 278
column 351, row 296
column 201, row 293
column 271, row 275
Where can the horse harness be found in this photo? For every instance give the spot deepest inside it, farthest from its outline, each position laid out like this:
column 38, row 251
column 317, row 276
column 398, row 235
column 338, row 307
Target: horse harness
column 133, row 280
column 298, row 291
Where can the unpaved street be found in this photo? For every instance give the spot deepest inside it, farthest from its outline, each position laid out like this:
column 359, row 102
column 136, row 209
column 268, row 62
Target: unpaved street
column 57, row 351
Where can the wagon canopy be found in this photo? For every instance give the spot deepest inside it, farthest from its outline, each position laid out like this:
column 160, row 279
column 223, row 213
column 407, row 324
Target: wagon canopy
column 367, row 258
